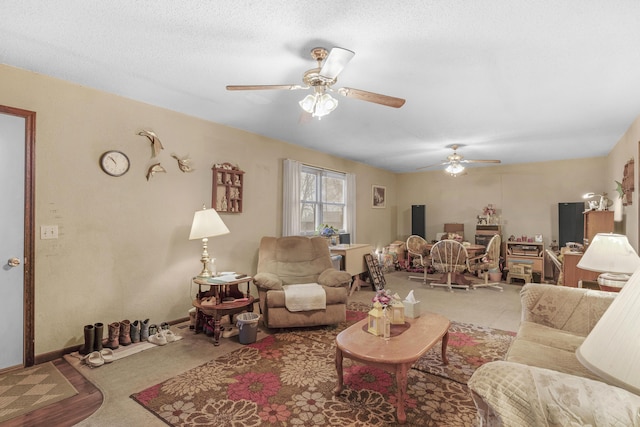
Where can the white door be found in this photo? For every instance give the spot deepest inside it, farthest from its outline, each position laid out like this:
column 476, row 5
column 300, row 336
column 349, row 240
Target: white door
column 15, row 249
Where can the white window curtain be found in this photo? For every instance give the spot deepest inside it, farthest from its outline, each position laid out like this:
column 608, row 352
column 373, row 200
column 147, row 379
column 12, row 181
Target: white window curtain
column 351, row 206
column 291, row 198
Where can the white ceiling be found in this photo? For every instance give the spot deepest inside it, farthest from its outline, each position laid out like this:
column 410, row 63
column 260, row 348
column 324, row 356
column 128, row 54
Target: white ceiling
column 520, row 81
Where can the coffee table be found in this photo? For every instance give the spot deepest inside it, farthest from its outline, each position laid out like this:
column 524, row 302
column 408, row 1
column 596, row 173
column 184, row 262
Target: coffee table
column 407, row 344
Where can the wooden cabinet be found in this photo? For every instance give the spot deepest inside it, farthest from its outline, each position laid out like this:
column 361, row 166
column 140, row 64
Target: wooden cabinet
column 597, row 222
column 227, row 188
column 528, row 254
column 571, row 273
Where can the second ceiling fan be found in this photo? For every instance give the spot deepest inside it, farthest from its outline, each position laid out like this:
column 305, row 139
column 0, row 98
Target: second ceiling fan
column 321, row 79
column 455, row 162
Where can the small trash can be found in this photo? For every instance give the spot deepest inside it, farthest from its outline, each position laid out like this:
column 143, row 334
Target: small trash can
column 248, row 327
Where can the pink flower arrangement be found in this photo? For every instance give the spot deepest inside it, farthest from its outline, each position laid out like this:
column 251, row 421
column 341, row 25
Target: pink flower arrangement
column 489, row 210
column 384, row 297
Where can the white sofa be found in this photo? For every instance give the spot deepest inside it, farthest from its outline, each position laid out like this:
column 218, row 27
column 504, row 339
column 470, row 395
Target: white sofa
column 541, row 382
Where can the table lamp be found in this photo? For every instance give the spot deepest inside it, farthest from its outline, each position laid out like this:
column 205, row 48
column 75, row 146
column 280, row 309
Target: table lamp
column 612, row 255
column 612, row 348
column 206, row 223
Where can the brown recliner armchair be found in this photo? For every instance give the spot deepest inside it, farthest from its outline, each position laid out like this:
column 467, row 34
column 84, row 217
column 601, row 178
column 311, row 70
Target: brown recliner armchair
column 295, row 260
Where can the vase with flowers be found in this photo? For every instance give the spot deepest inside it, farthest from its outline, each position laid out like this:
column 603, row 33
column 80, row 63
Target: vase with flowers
column 328, row 232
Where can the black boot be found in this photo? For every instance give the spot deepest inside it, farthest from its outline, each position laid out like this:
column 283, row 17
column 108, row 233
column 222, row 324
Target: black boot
column 89, row 337
column 99, row 329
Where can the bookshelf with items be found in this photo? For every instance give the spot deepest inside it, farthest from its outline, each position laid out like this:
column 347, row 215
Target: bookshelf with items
column 526, row 256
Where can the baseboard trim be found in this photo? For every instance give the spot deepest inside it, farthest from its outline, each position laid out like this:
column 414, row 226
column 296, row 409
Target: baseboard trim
column 57, row 354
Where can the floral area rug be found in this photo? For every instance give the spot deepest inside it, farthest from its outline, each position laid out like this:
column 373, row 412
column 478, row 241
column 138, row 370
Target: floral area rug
column 287, row 379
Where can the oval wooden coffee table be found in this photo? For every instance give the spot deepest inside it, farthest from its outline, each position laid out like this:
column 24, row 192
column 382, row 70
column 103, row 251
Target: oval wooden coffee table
column 407, row 344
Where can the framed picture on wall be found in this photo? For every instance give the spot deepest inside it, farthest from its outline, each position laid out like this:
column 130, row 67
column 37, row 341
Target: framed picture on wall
column 378, row 196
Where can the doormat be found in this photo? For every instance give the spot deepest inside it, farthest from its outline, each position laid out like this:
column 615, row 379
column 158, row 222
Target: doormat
column 32, row 388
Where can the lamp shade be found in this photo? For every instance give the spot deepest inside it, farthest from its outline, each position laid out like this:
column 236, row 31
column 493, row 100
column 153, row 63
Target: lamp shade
column 610, row 253
column 612, row 348
column 207, row 223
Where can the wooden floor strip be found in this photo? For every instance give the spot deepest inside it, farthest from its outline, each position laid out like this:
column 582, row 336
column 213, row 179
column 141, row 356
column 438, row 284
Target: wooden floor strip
column 67, row 412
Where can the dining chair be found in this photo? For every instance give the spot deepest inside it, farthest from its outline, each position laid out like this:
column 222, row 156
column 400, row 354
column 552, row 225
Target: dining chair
column 417, row 249
column 489, row 260
column 450, row 258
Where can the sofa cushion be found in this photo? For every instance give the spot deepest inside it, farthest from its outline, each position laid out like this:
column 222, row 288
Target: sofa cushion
column 518, row 395
column 550, row 337
column 545, row 355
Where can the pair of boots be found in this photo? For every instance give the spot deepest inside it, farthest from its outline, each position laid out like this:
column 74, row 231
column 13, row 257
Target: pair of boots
column 92, row 338
column 140, row 330
column 125, row 333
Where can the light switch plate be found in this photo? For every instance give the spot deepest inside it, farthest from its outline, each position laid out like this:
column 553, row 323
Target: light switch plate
column 48, row 232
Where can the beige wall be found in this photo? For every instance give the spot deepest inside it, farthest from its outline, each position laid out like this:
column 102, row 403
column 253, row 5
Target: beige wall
column 525, row 195
column 123, row 250
column 625, row 149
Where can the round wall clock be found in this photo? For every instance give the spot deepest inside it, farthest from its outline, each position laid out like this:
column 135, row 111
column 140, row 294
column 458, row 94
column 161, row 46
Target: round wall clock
column 114, row 163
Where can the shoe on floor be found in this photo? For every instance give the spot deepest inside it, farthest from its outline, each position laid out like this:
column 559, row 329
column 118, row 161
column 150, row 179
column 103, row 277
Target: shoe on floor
column 94, row 359
column 158, row 338
column 170, row 336
column 107, row 355
column 230, row 331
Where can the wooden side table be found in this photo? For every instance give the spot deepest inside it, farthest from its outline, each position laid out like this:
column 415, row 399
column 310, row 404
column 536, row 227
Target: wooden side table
column 227, row 299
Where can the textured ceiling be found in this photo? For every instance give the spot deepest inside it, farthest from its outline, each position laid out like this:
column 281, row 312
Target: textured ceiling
column 520, row 81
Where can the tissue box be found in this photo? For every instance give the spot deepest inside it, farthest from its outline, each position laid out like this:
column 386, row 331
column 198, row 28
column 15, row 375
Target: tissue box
column 411, row 309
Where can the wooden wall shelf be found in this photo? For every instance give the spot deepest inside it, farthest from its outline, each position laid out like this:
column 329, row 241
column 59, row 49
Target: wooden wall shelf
column 227, row 187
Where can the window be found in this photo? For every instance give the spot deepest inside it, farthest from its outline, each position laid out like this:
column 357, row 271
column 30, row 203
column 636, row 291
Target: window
column 313, row 196
column 322, row 199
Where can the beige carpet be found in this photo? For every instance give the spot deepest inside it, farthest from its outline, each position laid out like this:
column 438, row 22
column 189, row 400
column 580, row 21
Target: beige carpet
column 32, row 388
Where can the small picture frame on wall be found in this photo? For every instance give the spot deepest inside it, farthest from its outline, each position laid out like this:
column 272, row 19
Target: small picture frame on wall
column 378, row 196
column 538, row 238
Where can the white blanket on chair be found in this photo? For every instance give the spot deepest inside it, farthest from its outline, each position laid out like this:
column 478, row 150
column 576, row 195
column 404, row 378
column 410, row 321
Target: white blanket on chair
column 304, row 297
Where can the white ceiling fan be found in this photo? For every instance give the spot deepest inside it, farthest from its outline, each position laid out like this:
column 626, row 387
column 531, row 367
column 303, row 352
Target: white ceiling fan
column 455, row 162
column 321, row 79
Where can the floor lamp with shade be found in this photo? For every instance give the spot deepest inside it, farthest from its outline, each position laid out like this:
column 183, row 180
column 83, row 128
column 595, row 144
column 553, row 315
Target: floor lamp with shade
column 206, row 223
column 613, row 256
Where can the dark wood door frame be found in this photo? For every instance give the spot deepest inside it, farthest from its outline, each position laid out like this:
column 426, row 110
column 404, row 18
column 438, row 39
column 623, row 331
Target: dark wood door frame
column 29, row 231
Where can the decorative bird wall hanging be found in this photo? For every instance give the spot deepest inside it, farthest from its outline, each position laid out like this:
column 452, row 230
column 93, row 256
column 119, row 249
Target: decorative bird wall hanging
column 156, row 145
column 184, row 164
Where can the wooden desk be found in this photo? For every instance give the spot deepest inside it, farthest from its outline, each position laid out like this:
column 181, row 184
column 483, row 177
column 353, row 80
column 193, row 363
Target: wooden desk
column 571, row 273
column 397, row 354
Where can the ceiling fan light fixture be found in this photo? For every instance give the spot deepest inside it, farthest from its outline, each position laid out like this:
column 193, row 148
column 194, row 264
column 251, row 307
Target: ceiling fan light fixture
column 308, row 103
column 319, row 105
column 454, row 169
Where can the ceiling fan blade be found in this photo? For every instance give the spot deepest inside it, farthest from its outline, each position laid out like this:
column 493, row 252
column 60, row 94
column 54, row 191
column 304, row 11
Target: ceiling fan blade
column 442, row 163
column 266, row 87
column 363, row 95
column 479, row 161
column 337, row 59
